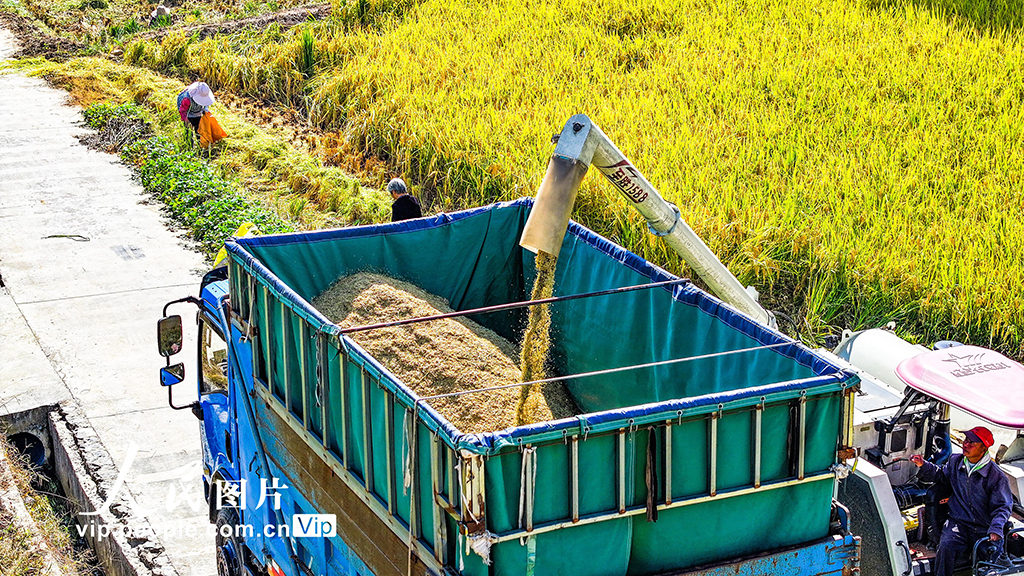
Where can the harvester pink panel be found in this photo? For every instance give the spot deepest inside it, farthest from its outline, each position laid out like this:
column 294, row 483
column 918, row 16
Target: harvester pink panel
column 978, row 380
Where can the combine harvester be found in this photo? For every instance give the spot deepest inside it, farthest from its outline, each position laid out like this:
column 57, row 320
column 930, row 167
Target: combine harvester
column 904, row 402
column 709, row 442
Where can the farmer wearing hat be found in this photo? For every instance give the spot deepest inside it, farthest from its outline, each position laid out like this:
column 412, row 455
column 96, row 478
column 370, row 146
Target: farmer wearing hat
column 981, row 501
column 405, row 205
column 193, row 102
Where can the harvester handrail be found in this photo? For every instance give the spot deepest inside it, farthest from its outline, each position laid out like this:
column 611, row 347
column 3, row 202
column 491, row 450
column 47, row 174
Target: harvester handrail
column 513, row 305
column 608, row 371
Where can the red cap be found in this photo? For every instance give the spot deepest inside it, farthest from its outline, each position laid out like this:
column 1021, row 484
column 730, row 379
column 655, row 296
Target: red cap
column 980, row 434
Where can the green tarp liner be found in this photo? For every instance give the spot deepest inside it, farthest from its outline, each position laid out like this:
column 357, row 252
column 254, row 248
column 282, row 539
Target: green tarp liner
column 473, row 259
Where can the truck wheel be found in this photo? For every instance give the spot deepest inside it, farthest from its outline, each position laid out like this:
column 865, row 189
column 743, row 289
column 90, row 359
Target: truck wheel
column 229, row 550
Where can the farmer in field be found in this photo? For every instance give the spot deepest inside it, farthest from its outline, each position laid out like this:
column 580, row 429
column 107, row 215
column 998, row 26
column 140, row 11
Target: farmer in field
column 193, row 102
column 981, row 500
column 405, row 205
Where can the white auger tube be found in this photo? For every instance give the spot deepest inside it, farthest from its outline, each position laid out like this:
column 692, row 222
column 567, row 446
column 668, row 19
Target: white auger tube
column 582, row 143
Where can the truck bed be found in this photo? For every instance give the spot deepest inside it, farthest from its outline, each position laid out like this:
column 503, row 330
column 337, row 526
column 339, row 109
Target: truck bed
column 724, row 450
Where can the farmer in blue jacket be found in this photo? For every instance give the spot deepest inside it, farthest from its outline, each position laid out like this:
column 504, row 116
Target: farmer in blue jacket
column 981, row 500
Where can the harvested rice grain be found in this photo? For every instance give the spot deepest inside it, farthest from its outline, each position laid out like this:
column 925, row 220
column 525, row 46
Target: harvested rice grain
column 440, row 356
column 537, row 338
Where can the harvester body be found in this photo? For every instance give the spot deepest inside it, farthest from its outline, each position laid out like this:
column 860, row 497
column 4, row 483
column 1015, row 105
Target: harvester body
column 911, row 401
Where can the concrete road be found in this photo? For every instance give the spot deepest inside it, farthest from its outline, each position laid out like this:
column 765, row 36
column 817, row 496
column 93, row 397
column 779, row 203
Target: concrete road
column 78, row 313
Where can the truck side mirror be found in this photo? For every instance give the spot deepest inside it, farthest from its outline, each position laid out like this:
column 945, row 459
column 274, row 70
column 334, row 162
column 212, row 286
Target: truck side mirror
column 168, row 336
column 171, row 375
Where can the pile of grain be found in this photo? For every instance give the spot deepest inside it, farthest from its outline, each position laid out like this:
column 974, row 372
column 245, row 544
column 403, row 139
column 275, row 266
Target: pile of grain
column 440, row 356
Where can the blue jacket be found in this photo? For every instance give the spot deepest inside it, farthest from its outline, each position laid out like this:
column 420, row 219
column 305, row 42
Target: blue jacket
column 981, row 502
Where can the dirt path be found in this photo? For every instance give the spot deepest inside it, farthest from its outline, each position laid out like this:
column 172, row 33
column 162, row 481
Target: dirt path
column 34, row 42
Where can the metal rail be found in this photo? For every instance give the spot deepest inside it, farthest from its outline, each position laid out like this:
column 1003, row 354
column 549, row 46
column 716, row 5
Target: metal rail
column 514, row 305
column 303, row 375
column 607, row 371
column 364, row 380
column 642, row 508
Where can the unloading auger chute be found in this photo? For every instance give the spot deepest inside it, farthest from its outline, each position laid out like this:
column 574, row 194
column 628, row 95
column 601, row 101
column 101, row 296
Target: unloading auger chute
column 581, row 144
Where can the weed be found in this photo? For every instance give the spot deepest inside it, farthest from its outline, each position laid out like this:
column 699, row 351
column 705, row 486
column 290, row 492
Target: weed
column 54, row 517
column 195, row 195
column 161, row 21
column 125, row 29
column 97, row 115
column 94, row 4
column 306, row 60
column 296, row 207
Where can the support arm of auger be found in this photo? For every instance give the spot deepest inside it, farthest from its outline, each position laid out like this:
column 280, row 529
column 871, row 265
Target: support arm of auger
column 581, row 144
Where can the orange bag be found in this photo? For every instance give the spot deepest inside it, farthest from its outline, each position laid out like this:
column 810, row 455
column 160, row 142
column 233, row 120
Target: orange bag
column 210, row 131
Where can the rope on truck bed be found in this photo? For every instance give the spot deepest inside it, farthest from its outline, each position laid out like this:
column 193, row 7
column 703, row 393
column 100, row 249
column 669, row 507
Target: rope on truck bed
column 513, row 305
column 611, row 370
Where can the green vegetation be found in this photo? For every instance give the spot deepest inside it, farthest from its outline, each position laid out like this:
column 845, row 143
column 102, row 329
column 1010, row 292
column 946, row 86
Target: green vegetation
column 95, row 23
column 265, row 164
column 211, row 206
column 98, row 115
column 53, row 516
column 208, row 204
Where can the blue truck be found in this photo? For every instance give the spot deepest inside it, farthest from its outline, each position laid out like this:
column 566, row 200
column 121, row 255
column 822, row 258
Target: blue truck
column 707, row 443
column 738, row 426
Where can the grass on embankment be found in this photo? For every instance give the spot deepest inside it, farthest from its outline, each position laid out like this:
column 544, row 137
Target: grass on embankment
column 263, row 161
column 54, row 519
column 104, row 24
column 859, row 162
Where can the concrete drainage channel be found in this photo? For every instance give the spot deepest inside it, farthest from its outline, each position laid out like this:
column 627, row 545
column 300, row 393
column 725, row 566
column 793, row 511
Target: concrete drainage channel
column 60, row 439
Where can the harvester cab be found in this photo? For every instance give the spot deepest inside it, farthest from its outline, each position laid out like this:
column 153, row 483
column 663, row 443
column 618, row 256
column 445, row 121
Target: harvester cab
column 913, row 401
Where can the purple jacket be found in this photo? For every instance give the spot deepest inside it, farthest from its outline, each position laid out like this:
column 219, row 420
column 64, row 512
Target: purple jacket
column 981, row 502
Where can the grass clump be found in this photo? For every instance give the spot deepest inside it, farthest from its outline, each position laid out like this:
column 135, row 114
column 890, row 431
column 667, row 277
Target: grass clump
column 54, row 524
column 117, row 125
column 98, row 115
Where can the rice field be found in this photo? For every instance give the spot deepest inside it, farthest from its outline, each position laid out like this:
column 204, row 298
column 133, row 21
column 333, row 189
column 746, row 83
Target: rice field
column 858, row 161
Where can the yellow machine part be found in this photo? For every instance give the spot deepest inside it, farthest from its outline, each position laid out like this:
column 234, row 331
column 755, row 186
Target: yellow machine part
column 911, row 518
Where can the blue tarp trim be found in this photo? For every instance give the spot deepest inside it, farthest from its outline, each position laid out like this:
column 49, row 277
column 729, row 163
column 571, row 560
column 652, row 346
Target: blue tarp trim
column 830, row 375
column 377, row 229
column 237, row 248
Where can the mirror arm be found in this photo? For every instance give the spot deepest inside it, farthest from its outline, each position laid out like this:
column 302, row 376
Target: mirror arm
column 170, row 400
column 194, row 406
column 191, row 299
